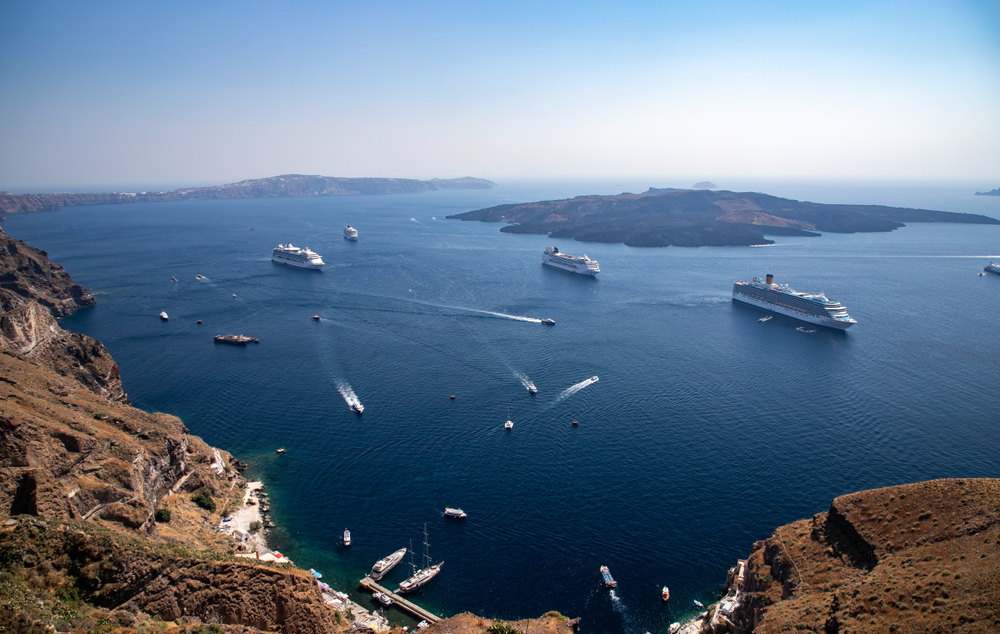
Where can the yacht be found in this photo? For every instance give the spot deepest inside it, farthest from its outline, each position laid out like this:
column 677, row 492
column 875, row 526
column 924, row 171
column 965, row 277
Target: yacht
column 350, row 233
column 163, row 315
column 347, row 537
column 383, row 566
column 297, row 256
column 382, row 598
column 450, row 512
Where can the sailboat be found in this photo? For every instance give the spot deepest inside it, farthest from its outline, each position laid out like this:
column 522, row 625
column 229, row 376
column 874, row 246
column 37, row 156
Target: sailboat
column 509, row 424
column 420, row 577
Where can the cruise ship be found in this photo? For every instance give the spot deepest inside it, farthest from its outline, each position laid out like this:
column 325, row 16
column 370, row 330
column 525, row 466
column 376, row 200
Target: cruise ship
column 572, row 263
column 992, row 267
column 296, row 256
column 815, row 309
column 350, row 233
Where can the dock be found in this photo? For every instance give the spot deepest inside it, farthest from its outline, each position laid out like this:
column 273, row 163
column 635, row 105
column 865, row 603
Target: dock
column 369, row 584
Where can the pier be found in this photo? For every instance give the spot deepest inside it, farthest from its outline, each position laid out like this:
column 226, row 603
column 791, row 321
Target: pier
column 369, row 584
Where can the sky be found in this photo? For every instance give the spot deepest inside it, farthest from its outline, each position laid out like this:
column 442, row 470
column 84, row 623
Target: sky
column 194, row 93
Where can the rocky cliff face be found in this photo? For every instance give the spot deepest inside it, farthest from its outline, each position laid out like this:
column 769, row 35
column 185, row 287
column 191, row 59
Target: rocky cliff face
column 920, row 557
column 27, row 274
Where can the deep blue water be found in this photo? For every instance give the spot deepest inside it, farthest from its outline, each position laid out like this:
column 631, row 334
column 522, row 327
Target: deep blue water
column 706, row 430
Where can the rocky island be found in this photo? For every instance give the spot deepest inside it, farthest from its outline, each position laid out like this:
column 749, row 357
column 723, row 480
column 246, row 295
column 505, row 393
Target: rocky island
column 696, row 217
column 286, row 186
column 992, row 192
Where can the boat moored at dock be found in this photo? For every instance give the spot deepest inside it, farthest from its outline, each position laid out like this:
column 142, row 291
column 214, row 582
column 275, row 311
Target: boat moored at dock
column 814, row 309
column 297, row 256
column 384, row 565
column 572, row 263
column 423, row 576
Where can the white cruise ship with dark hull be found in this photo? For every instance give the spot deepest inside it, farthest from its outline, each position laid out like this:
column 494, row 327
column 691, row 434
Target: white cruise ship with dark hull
column 297, row 256
column 572, row 263
column 992, row 267
column 815, row 309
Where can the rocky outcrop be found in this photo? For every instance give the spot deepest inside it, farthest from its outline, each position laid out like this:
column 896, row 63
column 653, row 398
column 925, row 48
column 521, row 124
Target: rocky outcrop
column 695, row 217
column 288, row 185
column 27, row 274
column 920, row 557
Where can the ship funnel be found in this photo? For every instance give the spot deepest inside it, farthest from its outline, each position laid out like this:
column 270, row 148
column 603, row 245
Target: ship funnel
column 770, row 279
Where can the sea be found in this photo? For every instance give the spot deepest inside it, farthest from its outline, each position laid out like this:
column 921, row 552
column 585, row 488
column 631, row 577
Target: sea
column 700, row 429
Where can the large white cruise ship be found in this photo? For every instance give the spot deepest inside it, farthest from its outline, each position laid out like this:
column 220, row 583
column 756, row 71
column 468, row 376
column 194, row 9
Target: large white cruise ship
column 815, row 309
column 350, row 233
column 572, row 263
column 296, row 256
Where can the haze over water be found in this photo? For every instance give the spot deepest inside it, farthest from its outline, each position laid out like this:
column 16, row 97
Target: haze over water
column 706, row 430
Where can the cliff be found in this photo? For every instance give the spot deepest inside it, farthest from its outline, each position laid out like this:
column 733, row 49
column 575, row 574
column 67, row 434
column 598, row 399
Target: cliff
column 286, row 186
column 921, row 557
column 27, row 274
column 693, row 218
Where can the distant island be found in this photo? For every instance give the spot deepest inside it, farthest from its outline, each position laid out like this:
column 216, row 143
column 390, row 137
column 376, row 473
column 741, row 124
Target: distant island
column 705, row 185
column 286, row 186
column 992, row 192
column 695, row 218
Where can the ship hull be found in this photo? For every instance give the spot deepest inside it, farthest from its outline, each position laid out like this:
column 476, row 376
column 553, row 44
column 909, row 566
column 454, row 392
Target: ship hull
column 794, row 314
column 569, row 267
column 301, row 265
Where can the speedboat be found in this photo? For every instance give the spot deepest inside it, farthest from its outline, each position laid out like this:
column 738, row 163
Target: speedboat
column 423, row 624
column 767, row 318
column 347, row 537
column 549, row 322
column 666, row 593
column 699, row 603
column 450, row 512
column 382, row 598
column 674, row 628
column 173, row 279
column 608, row 581
column 281, row 450
column 357, row 407
column 532, row 389
column 163, row 315
column 594, row 378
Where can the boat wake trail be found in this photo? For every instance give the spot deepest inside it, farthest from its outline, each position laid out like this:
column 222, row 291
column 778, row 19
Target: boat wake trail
column 526, row 382
column 505, row 315
column 570, row 391
column 349, row 396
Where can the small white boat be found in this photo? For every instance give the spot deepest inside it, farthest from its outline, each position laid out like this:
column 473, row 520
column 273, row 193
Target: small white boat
column 665, row 595
column 609, row 582
column 549, row 322
column 509, row 424
column 674, row 628
column 280, row 450
column 347, row 537
column 382, row 598
column 358, row 407
column 594, row 378
column 450, row 512
column 199, row 276
column 767, row 318
column 173, row 279
column 532, row 389
column 423, row 624
column 699, row 603
column 163, row 315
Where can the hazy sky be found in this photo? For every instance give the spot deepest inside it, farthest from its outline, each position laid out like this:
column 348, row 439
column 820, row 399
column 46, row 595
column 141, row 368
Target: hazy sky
column 211, row 92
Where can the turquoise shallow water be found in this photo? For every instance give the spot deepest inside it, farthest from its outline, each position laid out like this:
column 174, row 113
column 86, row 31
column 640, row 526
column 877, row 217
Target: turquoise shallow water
column 706, row 429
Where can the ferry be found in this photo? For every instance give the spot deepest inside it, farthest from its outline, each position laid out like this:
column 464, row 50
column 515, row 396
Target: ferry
column 608, row 581
column 382, row 566
column 163, row 315
column 459, row 513
column 814, row 309
column 572, row 263
column 992, row 268
column 295, row 256
column 347, row 537
column 350, row 233
column 234, row 340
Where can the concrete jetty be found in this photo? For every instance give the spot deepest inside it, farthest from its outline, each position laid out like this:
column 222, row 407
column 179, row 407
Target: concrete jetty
column 369, row 584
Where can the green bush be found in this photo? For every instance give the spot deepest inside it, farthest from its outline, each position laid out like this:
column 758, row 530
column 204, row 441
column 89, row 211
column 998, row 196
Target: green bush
column 203, row 498
column 255, row 526
column 162, row 515
column 499, row 627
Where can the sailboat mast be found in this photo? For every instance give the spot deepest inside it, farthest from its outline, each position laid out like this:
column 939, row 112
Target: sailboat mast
column 412, row 565
column 427, row 549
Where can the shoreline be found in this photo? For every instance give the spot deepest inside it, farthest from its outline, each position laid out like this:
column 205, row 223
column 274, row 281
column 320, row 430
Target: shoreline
column 254, row 544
